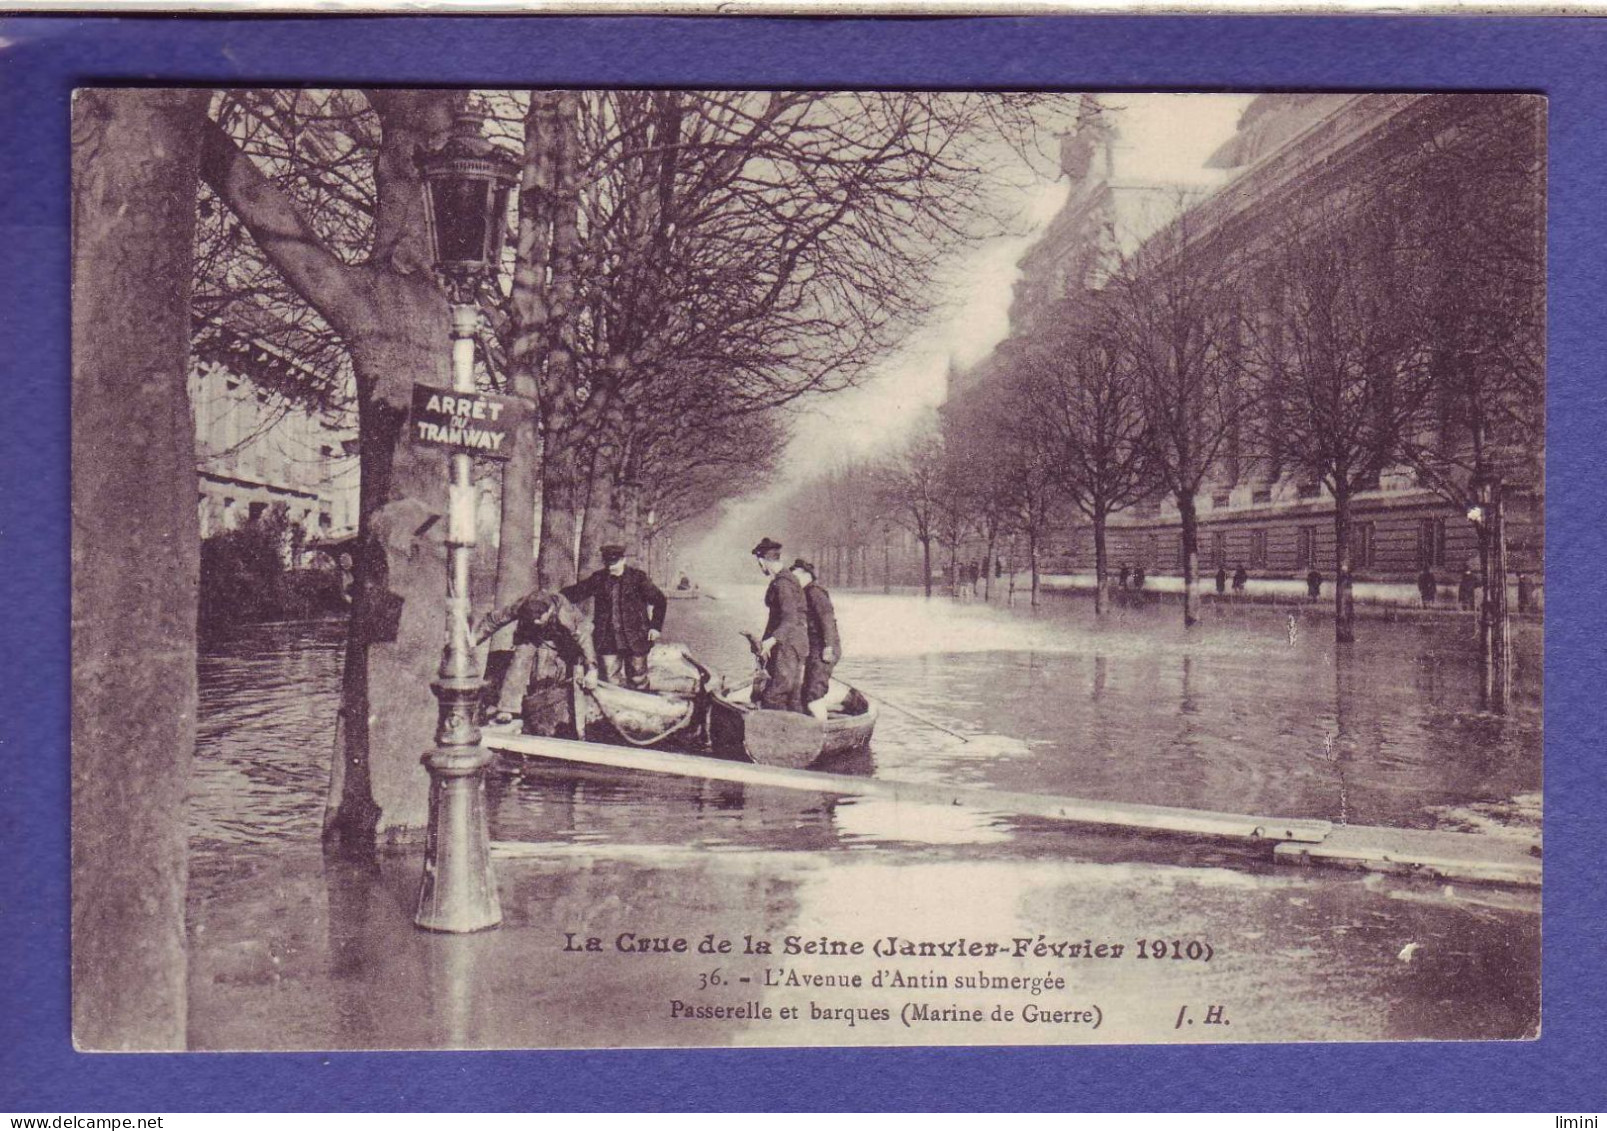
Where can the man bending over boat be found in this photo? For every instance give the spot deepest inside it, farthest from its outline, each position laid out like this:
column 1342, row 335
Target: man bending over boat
column 552, row 643
column 786, row 633
column 825, row 646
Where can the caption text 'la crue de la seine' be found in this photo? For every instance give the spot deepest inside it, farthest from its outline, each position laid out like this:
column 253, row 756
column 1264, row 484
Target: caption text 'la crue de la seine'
column 749, row 965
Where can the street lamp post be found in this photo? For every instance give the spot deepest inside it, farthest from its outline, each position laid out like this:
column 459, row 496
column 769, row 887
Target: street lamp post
column 467, row 182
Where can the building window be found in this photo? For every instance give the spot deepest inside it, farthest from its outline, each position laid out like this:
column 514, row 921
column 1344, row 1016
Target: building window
column 1261, row 495
column 1306, row 548
column 1309, row 490
column 1258, row 549
column 1222, row 500
column 1361, row 546
column 1431, row 543
column 1219, row 549
column 257, row 511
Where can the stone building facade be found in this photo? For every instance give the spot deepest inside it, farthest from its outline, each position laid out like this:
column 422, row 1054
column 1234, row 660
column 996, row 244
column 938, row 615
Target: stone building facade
column 255, row 449
column 1254, row 511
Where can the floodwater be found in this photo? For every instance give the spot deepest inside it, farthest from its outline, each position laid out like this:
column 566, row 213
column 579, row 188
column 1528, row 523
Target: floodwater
column 1251, row 712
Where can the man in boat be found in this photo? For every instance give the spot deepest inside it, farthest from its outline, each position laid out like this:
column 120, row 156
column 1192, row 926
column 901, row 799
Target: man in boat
column 786, row 633
column 627, row 617
column 825, row 646
column 552, row 644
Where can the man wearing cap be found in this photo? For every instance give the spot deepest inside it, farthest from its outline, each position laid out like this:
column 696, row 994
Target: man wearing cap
column 786, row 633
column 825, row 647
column 627, row 617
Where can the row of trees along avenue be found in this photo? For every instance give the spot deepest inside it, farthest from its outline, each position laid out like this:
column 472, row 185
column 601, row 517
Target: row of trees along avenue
column 1395, row 321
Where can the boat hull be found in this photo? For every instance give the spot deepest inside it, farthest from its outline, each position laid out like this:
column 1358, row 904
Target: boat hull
column 786, row 738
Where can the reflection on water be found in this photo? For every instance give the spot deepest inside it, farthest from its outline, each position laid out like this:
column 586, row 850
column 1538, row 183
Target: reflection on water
column 1240, row 714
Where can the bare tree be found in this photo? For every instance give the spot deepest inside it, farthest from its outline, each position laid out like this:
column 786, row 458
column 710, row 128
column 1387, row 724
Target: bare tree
column 1172, row 318
column 1476, row 201
column 911, row 486
column 973, row 445
column 784, row 240
column 391, row 317
column 1340, row 375
column 1087, row 402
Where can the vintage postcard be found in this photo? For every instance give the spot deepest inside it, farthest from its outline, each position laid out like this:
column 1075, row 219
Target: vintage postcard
column 635, row 568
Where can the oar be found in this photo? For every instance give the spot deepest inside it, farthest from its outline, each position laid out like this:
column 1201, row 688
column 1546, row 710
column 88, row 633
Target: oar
column 914, row 715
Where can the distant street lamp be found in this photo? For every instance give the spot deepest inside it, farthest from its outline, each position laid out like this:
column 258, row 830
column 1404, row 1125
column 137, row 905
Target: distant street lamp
column 466, row 187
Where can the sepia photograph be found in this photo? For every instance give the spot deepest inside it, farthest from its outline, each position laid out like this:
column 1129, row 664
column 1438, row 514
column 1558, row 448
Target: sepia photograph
column 616, row 568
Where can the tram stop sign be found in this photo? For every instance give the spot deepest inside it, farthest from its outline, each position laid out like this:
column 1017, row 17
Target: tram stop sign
column 482, row 424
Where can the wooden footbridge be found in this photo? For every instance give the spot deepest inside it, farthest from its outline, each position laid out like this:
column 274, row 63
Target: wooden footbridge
column 1440, row 855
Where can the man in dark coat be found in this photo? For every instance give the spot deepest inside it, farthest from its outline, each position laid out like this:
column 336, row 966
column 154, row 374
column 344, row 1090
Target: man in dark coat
column 786, row 632
column 1241, row 578
column 1428, row 587
column 551, row 642
column 627, row 617
column 825, row 646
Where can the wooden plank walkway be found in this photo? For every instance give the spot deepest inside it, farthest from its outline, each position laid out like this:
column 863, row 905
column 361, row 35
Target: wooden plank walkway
column 1445, row 855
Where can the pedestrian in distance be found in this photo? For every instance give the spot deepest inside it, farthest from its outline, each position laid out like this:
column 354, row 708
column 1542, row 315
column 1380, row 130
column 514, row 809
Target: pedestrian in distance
column 1466, row 590
column 1428, row 587
column 1121, row 578
column 1138, row 577
column 785, row 643
column 1241, row 578
column 1221, row 579
column 825, row 645
column 1314, row 585
column 627, row 617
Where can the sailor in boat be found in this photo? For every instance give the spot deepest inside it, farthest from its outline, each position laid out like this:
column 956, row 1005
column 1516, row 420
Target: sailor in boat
column 552, row 646
column 825, row 646
column 627, row 617
column 785, row 643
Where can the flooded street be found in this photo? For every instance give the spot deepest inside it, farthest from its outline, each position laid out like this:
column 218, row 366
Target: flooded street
column 1250, row 712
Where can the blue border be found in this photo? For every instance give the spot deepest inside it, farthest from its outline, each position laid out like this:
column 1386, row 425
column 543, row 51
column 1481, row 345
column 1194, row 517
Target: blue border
column 46, row 57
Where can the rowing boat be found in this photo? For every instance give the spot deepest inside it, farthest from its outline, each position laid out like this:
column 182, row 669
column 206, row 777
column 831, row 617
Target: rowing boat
column 787, row 738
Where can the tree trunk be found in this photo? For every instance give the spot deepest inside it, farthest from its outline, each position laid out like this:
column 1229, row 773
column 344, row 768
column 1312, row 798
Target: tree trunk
column 1497, row 625
column 560, row 518
column 1101, row 582
column 1191, row 558
column 954, row 578
column 531, row 331
column 926, row 565
column 599, row 524
column 1344, row 586
column 987, row 566
column 1032, row 557
column 394, row 321
column 628, row 509
column 562, row 485
column 135, row 562
column 388, row 714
